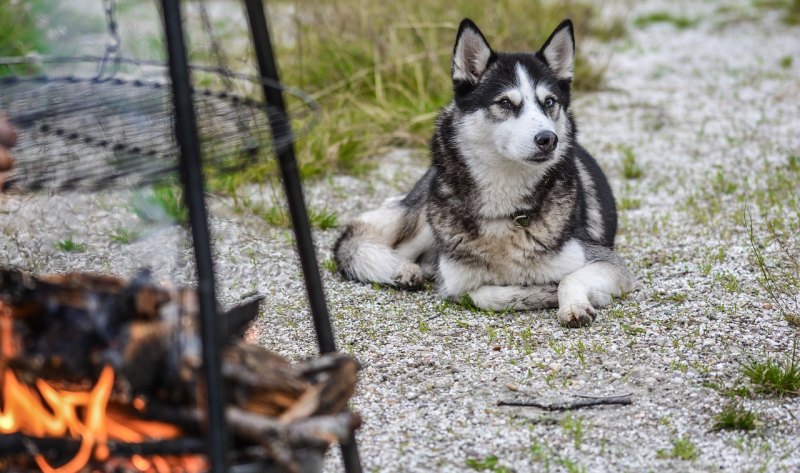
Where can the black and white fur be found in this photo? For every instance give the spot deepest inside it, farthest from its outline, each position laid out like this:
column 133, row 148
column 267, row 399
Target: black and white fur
column 513, row 211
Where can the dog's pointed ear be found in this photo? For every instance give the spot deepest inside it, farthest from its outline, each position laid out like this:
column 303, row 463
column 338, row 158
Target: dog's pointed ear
column 558, row 51
column 471, row 53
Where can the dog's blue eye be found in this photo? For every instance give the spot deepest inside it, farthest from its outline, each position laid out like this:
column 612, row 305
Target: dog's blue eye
column 550, row 102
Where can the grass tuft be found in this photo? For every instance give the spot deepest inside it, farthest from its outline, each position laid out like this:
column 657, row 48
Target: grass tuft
column 629, row 203
column 774, row 377
column 330, row 265
column 682, row 448
column 490, row 463
column 278, row 216
column 630, row 168
column 574, row 426
column 124, row 236
column 781, row 279
column 164, row 202
column 466, row 301
column 71, row 246
column 423, row 326
column 735, row 417
column 18, row 32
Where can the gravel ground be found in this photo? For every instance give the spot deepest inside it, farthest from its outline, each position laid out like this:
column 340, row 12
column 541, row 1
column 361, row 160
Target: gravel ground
column 710, row 115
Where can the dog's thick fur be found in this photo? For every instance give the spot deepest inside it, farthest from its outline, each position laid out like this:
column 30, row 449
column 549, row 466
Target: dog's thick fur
column 513, row 212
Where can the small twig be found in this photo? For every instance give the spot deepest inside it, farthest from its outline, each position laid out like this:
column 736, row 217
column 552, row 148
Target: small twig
column 580, row 402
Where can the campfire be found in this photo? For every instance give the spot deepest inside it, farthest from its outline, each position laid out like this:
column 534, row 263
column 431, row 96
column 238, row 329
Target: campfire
column 59, row 417
column 97, row 371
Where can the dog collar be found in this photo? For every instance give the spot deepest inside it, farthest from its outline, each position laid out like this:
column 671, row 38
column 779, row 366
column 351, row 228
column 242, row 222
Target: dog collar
column 521, row 220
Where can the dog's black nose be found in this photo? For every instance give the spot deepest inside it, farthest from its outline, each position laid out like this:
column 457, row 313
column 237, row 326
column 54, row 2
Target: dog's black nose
column 546, row 141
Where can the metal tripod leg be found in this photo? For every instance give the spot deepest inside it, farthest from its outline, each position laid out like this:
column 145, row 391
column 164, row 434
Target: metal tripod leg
column 284, row 149
column 192, row 179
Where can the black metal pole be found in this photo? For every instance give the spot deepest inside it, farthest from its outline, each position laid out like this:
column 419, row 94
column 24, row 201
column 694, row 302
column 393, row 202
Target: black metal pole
column 284, row 149
column 282, row 137
column 192, row 177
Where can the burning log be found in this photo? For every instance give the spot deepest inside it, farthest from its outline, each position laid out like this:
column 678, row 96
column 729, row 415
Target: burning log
column 139, row 341
column 69, row 327
column 59, row 447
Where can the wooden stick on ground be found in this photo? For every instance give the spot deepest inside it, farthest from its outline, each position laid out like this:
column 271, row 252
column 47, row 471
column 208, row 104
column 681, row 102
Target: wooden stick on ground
column 580, row 402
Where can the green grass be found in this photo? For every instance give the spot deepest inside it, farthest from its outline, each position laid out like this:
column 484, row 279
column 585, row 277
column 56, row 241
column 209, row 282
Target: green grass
column 580, row 352
column 570, row 466
column 678, row 297
column 381, row 70
column 330, row 265
column 721, row 184
column 124, row 236
column 630, row 168
column 546, row 457
column 559, row 348
column 679, row 22
column 541, row 453
column 729, row 392
column 466, row 302
column 71, row 246
column 735, row 417
column 574, row 426
column 527, row 341
column 628, row 203
column 423, row 326
column 632, row 330
column 774, row 377
column 278, row 216
column 24, row 27
column 779, row 277
column 18, row 32
column 682, row 448
column 163, row 202
column 727, row 281
column 490, row 463
column 791, row 9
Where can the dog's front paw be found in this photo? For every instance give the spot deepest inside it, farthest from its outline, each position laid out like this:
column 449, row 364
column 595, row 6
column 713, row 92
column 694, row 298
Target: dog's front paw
column 409, row 277
column 576, row 315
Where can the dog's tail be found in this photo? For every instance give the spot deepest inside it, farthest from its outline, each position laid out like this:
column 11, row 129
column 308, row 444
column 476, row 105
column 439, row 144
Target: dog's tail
column 381, row 246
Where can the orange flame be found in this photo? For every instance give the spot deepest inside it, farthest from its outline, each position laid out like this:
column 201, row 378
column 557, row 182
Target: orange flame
column 23, row 411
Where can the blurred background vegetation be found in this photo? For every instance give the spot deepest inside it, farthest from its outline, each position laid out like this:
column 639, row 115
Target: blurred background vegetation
column 18, row 32
column 380, row 70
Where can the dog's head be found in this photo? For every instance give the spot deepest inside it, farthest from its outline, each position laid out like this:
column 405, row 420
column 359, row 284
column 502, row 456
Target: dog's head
column 513, row 106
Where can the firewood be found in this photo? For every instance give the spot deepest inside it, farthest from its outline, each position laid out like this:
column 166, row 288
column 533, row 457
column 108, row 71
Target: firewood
column 67, row 328
column 63, row 447
column 318, row 431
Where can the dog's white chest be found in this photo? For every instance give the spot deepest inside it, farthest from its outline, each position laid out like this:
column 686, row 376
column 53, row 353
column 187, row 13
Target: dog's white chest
column 518, row 254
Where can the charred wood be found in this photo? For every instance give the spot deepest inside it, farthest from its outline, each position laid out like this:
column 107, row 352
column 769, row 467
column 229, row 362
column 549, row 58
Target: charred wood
column 50, row 447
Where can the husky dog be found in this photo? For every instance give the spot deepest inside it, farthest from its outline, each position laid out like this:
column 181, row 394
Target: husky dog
column 513, row 212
